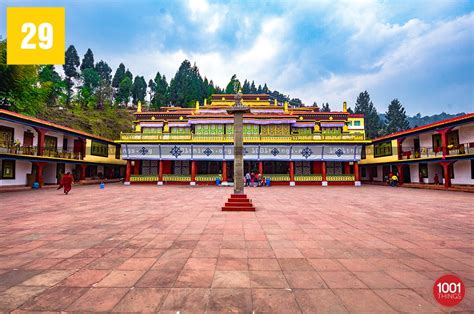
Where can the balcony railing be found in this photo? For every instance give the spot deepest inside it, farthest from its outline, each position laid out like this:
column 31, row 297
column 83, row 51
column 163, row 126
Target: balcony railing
column 430, row 152
column 247, row 137
column 10, row 148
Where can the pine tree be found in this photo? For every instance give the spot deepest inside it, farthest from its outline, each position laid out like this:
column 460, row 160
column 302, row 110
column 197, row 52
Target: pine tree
column 124, row 91
column 118, row 76
column 253, row 89
column 233, row 85
column 70, row 66
column 265, row 90
column 138, row 89
column 88, row 60
column 373, row 125
column 104, row 90
column 51, row 81
column 259, row 89
column 396, row 118
column 325, row 108
column 186, row 86
column 246, row 87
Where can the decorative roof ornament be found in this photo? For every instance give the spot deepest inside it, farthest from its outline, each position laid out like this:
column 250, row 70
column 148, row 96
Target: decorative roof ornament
column 139, row 107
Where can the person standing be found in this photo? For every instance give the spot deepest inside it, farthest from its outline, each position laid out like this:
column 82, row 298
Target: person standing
column 66, row 182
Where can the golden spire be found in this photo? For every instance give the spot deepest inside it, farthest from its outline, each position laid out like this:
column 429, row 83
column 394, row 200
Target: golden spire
column 139, row 107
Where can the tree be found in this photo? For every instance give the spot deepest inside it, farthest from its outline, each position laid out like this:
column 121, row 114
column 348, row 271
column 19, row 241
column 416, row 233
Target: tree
column 325, row 108
column 104, row 90
column 253, row 89
column 91, row 81
column 233, row 85
column 70, row 70
column 265, row 90
column 396, row 118
column 138, row 89
column 186, row 86
column 118, row 76
column 246, row 87
column 295, row 102
column 124, row 91
column 349, row 109
column 364, row 105
column 52, row 83
column 88, row 60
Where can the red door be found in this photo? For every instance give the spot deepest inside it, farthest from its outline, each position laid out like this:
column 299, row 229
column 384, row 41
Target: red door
column 78, row 148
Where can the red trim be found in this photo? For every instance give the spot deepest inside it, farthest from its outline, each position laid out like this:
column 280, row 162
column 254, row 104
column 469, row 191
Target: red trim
column 424, row 127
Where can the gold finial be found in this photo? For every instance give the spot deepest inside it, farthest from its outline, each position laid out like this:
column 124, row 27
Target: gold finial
column 205, row 102
column 275, row 102
column 344, row 107
column 139, row 107
column 286, row 106
column 197, row 105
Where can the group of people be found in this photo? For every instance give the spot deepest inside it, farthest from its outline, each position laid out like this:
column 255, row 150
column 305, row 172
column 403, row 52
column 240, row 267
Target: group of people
column 254, row 179
column 392, row 179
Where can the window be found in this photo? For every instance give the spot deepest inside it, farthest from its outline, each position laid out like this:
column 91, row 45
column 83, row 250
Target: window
column 51, row 143
column 302, row 168
column 151, row 130
column 334, row 167
column 356, row 123
column 65, row 143
column 363, row 154
column 8, row 169
column 99, row 149
column 181, row 167
column 423, row 170
column 149, row 167
column 436, row 142
column 6, row 136
column 453, row 139
column 383, row 149
column 117, row 152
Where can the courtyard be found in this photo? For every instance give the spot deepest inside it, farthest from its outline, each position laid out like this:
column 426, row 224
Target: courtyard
column 145, row 248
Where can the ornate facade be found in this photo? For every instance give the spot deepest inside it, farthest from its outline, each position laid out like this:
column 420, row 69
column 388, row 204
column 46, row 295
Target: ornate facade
column 287, row 145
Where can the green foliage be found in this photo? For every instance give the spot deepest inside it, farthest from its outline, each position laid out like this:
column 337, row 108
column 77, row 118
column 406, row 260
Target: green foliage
column 186, row 86
column 88, row 60
column 139, row 89
column 124, row 91
column 70, row 70
column 373, row 125
column 233, row 85
column 396, row 118
column 18, row 89
column 325, row 108
column 159, row 93
column 118, row 76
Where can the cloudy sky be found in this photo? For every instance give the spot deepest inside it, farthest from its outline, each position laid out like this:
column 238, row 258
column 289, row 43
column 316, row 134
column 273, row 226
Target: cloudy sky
column 421, row 52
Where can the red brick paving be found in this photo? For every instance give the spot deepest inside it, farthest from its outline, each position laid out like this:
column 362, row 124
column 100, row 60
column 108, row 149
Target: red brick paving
column 171, row 248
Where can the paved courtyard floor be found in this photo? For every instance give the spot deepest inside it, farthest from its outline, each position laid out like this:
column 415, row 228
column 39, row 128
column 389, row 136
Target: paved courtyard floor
column 306, row 249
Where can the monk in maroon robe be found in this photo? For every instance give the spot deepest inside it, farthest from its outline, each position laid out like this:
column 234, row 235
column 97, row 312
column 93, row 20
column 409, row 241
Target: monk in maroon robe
column 66, row 182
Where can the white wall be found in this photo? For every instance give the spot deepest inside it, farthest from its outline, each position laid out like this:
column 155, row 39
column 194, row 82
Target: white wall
column 426, row 140
column 466, row 133
column 414, row 173
column 462, row 172
column 22, row 168
column 19, row 131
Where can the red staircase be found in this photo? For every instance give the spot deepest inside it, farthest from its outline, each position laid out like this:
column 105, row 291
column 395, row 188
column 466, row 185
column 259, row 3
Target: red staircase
column 239, row 202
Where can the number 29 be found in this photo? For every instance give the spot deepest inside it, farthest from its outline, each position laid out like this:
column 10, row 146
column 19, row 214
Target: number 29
column 45, row 36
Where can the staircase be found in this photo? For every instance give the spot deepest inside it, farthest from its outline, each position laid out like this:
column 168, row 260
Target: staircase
column 239, row 202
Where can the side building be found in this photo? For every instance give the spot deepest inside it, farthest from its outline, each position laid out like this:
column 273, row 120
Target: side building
column 443, row 150
column 34, row 150
column 291, row 146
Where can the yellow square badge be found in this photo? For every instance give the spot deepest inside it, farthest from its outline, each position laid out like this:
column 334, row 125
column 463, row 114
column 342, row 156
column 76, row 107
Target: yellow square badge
column 35, row 35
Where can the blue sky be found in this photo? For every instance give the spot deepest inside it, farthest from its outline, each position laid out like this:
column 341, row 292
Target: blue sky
column 421, row 52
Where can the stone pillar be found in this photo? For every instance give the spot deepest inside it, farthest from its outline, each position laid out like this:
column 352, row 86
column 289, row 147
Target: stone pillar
column 323, row 168
column 238, row 153
column 356, row 174
column 193, row 173
column 292, row 173
column 160, row 172
column 128, row 171
column 224, row 171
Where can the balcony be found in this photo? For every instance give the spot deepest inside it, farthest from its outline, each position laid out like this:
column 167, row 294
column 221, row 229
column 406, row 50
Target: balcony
column 430, row 152
column 12, row 149
column 247, row 137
